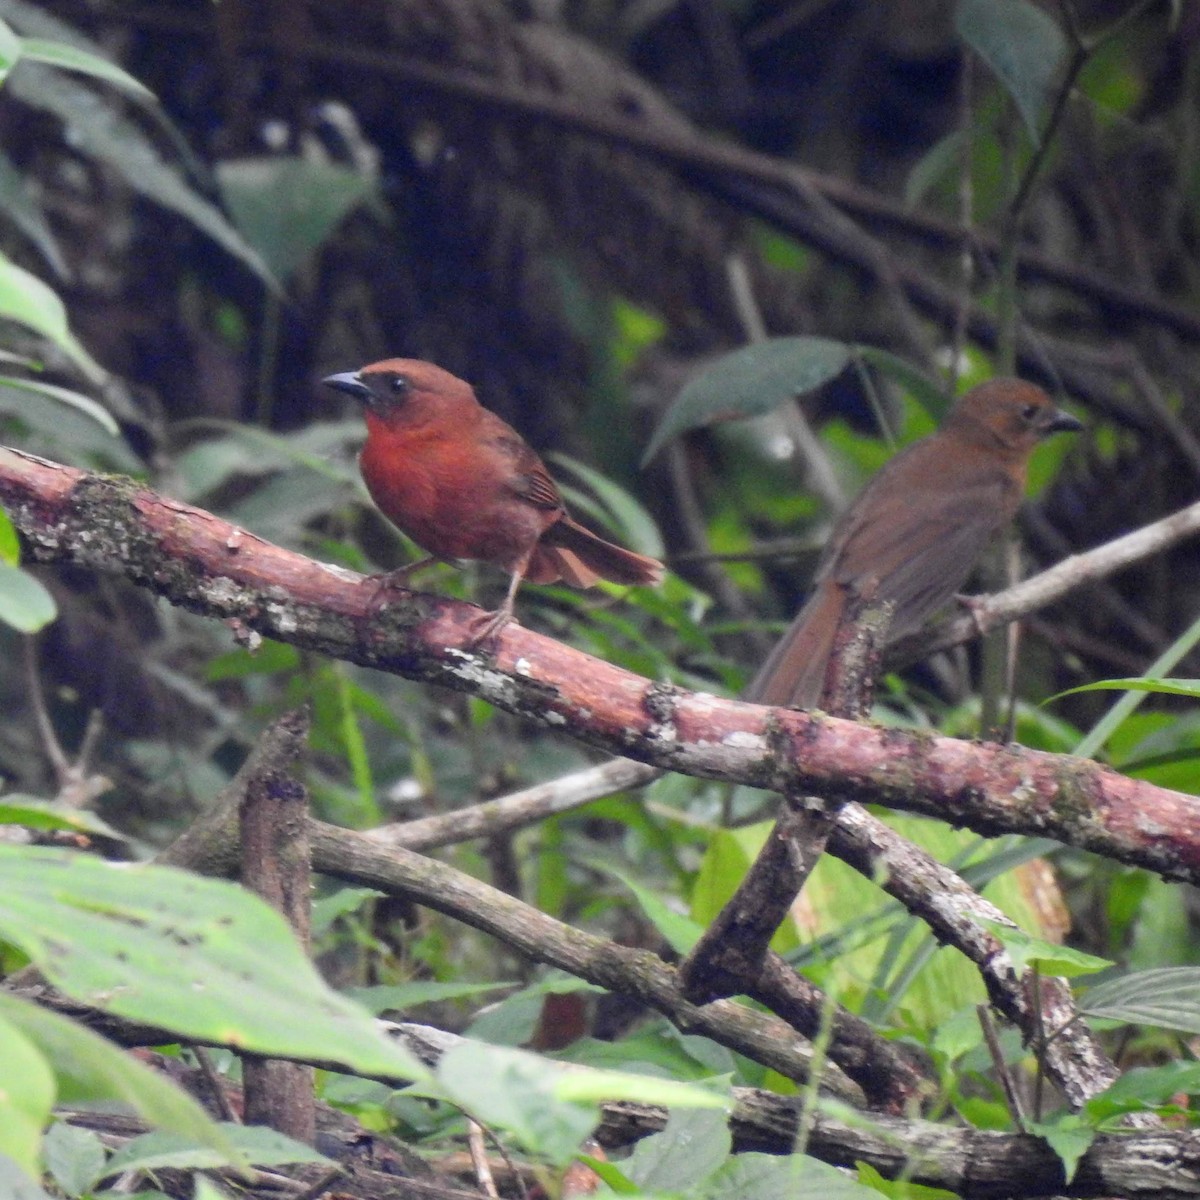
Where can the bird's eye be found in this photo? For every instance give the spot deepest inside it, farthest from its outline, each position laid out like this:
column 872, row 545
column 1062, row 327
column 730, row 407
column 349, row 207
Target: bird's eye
column 1030, row 412
column 400, row 385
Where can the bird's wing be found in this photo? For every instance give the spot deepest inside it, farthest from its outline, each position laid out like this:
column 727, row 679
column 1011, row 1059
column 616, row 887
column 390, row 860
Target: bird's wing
column 529, row 479
column 923, row 555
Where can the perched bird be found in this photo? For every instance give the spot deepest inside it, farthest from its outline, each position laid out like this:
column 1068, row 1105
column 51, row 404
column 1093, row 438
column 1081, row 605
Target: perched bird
column 463, row 484
column 916, row 530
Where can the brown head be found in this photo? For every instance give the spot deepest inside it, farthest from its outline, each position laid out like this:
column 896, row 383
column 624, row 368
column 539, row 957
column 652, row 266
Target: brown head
column 406, row 393
column 1009, row 416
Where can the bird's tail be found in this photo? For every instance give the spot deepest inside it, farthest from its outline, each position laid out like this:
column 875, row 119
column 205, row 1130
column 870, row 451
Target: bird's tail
column 794, row 672
column 572, row 553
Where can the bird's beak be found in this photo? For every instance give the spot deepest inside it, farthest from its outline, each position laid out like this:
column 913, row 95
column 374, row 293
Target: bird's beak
column 1058, row 421
column 350, row 383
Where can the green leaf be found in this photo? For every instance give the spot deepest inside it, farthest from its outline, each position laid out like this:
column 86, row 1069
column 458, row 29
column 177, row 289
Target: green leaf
column 1168, row 997
column 26, row 1097
column 1023, row 46
column 15, row 1184
column 513, row 1020
column 100, row 129
column 1167, row 687
column 71, row 58
column 401, row 996
column 260, row 1146
column 780, row 1177
column 1144, row 1088
column 1049, row 958
column 680, row 931
column 514, row 1090
column 91, row 1069
column 73, row 399
column 620, row 512
column 16, row 809
column 74, row 1157
column 693, row 1145
column 927, row 393
column 10, row 49
column 24, row 603
column 728, row 857
column 288, row 207
column 200, row 957
column 550, row 1109
column 24, row 298
column 10, row 544
column 19, row 205
column 1069, row 1137
column 938, row 161
column 597, row 1086
column 750, row 382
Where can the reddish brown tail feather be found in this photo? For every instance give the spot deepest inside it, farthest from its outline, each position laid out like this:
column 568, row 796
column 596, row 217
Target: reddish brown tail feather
column 794, row 672
column 572, row 553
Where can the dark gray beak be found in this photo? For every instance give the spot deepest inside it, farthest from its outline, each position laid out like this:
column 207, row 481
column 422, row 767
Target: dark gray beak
column 1061, row 422
column 350, row 383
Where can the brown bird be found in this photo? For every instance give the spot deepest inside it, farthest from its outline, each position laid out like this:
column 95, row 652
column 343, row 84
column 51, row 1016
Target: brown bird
column 463, row 484
column 916, row 530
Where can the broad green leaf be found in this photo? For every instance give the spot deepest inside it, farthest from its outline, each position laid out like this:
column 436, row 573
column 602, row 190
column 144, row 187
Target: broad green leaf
column 91, row 1069
column 72, row 58
column 288, row 207
column 1145, row 1088
column 74, row 1157
column 260, row 1146
column 25, row 299
column 200, row 957
column 513, row 1090
column 549, row 1108
column 1049, row 958
column 750, row 382
column 1069, row 1137
column 100, row 128
column 27, row 1094
column 1168, row 997
column 1023, row 46
column 24, row 602
column 15, row 1183
column 780, row 1177
column 958, row 1034
column 73, row 399
column 693, row 1145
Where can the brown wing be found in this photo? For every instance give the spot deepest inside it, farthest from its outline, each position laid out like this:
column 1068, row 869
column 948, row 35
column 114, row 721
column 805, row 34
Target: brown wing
column 530, row 479
column 914, row 539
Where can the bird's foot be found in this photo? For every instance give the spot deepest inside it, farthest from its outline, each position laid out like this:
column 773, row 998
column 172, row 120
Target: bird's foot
column 385, row 581
column 486, row 626
column 976, row 607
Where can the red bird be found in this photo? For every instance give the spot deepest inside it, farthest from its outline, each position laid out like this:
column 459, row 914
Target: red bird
column 916, row 530
column 463, row 484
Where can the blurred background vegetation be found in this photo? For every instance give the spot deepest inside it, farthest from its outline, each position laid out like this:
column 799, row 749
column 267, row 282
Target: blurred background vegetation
column 579, row 207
